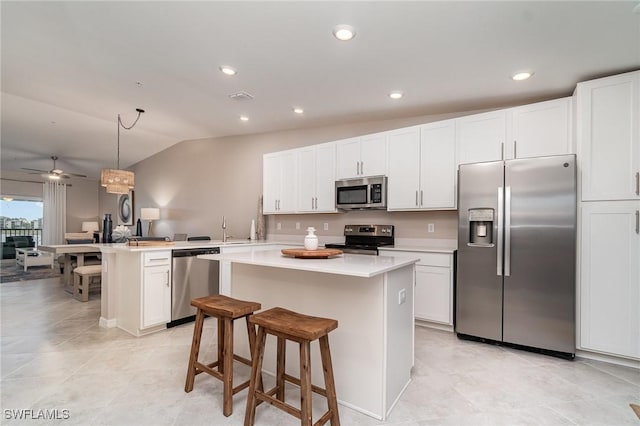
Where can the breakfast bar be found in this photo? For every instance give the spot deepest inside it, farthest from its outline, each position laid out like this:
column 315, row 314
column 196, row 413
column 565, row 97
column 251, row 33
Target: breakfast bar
column 371, row 297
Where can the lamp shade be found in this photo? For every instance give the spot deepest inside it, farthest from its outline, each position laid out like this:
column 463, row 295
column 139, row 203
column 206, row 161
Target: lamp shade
column 90, row 227
column 149, row 213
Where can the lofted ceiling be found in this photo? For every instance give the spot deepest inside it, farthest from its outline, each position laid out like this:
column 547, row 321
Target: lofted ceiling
column 69, row 68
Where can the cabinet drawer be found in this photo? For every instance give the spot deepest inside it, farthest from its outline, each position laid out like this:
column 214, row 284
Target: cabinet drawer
column 156, row 258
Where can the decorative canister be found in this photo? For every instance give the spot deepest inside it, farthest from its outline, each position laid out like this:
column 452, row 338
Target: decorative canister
column 107, row 228
column 311, row 240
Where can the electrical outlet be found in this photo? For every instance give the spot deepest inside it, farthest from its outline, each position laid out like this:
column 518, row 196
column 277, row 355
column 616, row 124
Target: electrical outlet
column 326, row 226
column 278, row 226
column 431, row 227
column 402, row 296
column 297, row 225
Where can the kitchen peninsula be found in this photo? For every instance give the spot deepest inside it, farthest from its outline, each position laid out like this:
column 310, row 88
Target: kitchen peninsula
column 371, row 297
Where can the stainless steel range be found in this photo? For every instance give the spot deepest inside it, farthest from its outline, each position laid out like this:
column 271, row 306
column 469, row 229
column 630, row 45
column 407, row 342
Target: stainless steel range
column 365, row 239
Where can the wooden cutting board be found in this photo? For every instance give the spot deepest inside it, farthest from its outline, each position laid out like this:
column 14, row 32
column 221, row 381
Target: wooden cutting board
column 311, row 254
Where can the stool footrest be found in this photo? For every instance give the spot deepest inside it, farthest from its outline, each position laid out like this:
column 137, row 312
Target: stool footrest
column 242, row 360
column 314, row 388
column 262, row 396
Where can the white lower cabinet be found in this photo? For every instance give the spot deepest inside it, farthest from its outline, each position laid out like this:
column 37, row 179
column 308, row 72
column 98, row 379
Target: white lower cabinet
column 433, row 298
column 156, row 295
column 610, row 278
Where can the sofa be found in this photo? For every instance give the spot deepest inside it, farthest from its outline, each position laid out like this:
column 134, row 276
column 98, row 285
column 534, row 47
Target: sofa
column 16, row 241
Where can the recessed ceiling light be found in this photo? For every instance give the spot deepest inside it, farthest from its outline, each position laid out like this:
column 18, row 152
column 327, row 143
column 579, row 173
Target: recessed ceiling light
column 344, row 32
column 396, row 95
column 228, row 70
column 244, row 118
column 298, row 110
column 521, row 76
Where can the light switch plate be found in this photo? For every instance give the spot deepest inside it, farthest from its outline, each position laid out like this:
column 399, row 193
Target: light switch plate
column 402, row 296
column 279, row 226
column 431, row 227
column 297, row 225
column 326, row 226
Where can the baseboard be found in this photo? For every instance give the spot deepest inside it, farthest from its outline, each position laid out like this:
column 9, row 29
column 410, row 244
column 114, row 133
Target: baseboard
column 437, row 326
column 611, row 359
column 107, row 323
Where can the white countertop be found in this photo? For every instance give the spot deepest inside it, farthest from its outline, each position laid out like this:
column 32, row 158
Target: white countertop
column 181, row 245
column 356, row 265
column 423, row 245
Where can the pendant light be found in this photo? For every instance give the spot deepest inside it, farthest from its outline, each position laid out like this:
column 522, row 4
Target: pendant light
column 118, row 181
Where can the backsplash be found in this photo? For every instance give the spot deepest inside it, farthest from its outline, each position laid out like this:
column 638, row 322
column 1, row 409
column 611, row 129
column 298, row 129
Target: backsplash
column 407, row 224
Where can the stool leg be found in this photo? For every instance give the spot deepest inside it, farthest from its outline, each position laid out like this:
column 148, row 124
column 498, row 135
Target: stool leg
column 327, row 368
column 220, row 345
column 281, row 357
column 195, row 349
column 84, row 287
column 76, row 286
column 256, row 369
column 251, row 331
column 227, row 375
column 305, row 383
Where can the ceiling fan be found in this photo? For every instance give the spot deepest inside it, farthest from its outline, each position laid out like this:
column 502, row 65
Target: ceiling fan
column 54, row 173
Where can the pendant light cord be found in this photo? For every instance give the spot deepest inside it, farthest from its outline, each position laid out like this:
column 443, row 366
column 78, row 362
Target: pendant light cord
column 140, row 111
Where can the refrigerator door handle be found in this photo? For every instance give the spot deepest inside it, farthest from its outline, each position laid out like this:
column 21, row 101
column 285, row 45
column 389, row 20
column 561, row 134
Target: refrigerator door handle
column 500, row 215
column 507, row 231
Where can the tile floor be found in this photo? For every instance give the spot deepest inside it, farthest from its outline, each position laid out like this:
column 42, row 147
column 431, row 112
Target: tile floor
column 54, row 356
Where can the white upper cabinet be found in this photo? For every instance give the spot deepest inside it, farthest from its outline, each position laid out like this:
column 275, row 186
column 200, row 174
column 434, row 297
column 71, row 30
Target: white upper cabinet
column 316, row 178
column 481, row 137
column 422, row 169
column 403, row 185
column 362, row 156
column 607, row 130
column 279, row 182
column 540, row 129
column 438, row 176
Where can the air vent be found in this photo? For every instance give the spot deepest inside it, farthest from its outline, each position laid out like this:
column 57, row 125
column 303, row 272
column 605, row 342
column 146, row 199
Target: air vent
column 241, row 96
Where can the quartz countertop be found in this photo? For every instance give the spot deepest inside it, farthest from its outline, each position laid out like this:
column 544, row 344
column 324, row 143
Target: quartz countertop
column 424, row 245
column 182, row 245
column 347, row 264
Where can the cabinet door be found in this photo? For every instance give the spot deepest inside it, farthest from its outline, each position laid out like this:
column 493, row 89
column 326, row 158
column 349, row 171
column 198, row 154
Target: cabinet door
column 438, row 165
column 608, row 137
column 156, row 296
column 373, row 155
column 270, row 182
column 403, row 186
column 433, row 294
column 307, row 179
column 325, row 177
column 481, row 137
column 610, row 278
column 540, row 129
column 288, row 182
column 348, row 158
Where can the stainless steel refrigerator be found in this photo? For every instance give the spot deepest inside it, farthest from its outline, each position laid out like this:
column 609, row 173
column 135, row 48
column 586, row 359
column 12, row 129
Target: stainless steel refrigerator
column 516, row 252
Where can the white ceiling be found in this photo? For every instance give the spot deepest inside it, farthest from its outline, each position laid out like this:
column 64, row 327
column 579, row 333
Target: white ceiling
column 69, row 68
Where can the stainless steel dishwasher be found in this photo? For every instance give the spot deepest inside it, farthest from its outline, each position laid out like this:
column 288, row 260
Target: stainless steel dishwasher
column 191, row 278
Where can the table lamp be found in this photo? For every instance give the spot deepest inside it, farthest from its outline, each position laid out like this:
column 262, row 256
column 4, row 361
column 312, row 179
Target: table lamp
column 150, row 214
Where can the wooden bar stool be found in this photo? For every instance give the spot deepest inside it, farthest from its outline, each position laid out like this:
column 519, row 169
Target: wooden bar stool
column 226, row 310
column 288, row 325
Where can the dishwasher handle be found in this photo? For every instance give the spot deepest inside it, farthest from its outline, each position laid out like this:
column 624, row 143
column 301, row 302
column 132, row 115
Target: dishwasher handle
column 194, row 252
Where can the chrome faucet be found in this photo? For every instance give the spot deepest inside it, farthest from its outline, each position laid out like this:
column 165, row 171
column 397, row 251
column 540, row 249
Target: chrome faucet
column 224, row 229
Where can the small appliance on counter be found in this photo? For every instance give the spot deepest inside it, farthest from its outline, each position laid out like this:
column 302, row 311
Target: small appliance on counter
column 365, row 239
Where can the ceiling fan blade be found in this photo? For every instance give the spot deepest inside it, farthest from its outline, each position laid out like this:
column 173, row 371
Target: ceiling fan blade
column 35, row 170
column 76, row 175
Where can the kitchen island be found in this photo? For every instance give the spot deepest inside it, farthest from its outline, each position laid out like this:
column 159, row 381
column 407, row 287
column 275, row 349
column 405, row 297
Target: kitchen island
column 137, row 282
column 370, row 296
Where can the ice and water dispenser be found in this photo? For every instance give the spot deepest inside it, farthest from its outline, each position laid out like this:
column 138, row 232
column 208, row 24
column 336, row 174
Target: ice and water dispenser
column 481, row 227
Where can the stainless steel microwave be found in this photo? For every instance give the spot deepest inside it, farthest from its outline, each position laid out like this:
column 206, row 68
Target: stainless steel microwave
column 362, row 193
